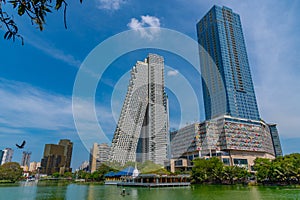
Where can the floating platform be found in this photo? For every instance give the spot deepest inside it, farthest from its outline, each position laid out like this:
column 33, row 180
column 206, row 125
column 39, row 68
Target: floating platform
column 150, row 180
column 185, row 184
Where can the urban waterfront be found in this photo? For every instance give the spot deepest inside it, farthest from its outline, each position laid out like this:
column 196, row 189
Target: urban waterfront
column 27, row 191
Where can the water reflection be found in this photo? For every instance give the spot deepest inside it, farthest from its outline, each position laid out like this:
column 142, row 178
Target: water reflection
column 254, row 193
column 57, row 191
column 51, row 191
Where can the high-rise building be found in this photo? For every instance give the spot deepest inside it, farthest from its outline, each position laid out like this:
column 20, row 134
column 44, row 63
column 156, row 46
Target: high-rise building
column 7, row 155
column 84, row 166
column 233, row 129
column 1, row 156
column 57, row 158
column 226, row 77
column 26, row 159
column 68, row 149
column 99, row 154
column 141, row 132
column 275, row 140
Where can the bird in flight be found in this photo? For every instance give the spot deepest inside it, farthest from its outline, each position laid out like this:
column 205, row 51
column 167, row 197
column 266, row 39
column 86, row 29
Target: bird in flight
column 22, row 145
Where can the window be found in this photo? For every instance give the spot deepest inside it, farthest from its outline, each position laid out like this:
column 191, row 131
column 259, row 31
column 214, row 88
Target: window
column 178, row 163
column 237, row 161
column 226, row 161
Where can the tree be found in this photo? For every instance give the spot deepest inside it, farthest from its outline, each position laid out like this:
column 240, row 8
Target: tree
column 36, row 10
column 68, row 175
column 214, row 171
column 149, row 167
column 10, row 171
column 97, row 175
column 262, row 166
column 207, row 170
column 56, row 175
column 282, row 170
column 234, row 174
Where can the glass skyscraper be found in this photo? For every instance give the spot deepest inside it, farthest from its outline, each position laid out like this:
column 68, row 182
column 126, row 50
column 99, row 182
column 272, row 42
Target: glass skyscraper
column 226, row 77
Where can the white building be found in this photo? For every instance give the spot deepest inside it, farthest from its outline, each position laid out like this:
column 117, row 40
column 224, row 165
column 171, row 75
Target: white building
column 33, row 166
column 84, row 165
column 99, row 154
column 7, row 155
column 141, row 133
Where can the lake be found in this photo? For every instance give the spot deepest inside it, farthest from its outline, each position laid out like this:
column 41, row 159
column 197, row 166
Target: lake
column 24, row 191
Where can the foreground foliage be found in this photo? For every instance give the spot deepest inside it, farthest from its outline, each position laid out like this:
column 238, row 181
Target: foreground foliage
column 35, row 10
column 282, row 170
column 214, row 171
column 97, row 175
column 11, row 172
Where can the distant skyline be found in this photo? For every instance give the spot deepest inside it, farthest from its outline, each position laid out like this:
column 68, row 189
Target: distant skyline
column 36, row 80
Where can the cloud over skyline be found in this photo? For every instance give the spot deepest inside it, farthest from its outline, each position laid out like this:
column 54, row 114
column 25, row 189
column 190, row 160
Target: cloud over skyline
column 110, row 4
column 172, row 73
column 151, row 22
column 24, row 106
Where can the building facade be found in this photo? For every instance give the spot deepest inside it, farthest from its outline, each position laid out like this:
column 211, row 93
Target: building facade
column 68, row 149
column 1, row 156
column 226, row 77
column 26, row 159
column 57, row 158
column 7, row 155
column 275, row 140
column 235, row 141
column 33, row 166
column 182, row 141
column 85, row 165
column 99, row 154
column 141, row 132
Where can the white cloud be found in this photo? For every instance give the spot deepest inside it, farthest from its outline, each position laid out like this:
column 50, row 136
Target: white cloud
column 146, row 22
column 172, row 73
column 110, row 4
column 151, row 21
column 23, row 106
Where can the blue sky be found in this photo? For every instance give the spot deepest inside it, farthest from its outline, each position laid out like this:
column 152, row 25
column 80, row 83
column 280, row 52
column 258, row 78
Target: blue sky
column 36, row 80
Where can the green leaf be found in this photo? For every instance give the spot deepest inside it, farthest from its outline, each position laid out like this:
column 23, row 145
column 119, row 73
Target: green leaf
column 46, row 9
column 58, row 4
column 21, row 9
column 6, row 34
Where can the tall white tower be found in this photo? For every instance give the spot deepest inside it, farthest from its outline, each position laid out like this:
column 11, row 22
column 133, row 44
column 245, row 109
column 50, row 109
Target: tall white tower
column 7, row 155
column 141, row 133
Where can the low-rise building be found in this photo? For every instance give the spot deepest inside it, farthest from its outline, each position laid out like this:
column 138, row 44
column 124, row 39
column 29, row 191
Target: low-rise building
column 235, row 141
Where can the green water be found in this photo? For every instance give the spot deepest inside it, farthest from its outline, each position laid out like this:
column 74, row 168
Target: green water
column 30, row 191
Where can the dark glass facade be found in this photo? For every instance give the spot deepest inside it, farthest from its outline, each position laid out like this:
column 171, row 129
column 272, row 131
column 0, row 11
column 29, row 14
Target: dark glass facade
column 275, row 139
column 226, row 77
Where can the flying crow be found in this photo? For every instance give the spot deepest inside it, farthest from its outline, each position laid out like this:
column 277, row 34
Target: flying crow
column 22, row 145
